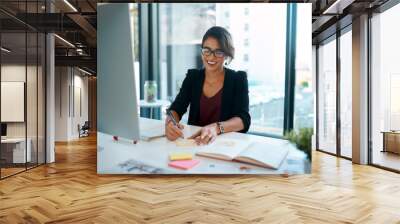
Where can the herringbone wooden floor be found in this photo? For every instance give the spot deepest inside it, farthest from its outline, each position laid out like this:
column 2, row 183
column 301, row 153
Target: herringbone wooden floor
column 70, row 191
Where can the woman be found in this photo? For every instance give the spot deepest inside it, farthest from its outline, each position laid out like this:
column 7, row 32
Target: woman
column 218, row 96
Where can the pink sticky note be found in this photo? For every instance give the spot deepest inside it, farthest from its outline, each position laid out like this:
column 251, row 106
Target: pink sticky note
column 183, row 164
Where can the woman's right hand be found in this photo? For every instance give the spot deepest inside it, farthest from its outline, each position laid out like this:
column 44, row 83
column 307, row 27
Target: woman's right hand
column 173, row 132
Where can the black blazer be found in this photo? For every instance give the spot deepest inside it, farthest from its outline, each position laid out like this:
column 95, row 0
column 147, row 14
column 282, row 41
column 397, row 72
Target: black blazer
column 235, row 97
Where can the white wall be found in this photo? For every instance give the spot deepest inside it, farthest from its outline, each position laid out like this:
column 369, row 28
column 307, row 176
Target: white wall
column 12, row 73
column 70, row 83
column 79, row 117
column 61, row 103
column 33, row 126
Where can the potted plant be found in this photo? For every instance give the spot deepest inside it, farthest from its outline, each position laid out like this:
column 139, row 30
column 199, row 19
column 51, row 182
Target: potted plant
column 302, row 139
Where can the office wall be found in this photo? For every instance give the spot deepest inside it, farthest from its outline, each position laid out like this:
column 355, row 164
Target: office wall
column 12, row 98
column 80, row 109
column 71, row 102
column 92, row 99
column 62, row 81
column 17, row 73
column 33, row 126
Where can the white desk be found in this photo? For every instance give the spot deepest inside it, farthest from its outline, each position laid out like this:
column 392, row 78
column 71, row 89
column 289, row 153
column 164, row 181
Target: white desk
column 124, row 157
column 18, row 149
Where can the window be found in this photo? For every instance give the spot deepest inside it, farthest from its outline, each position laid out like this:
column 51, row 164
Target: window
column 304, row 99
column 134, row 12
column 245, row 57
column 327, row 96
column 246, row 42
column 266, row 87
column 346, row 94
column 178, row 52
column 246, row 11
column 385, row 85
column 246, row 27
column 334, row 138
column 227, row 14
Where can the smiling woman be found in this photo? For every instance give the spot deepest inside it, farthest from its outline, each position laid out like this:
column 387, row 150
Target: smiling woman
column 218, row 96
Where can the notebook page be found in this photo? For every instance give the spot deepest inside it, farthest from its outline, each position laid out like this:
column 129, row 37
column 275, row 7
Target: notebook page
column 270, row 154
column 227, row 147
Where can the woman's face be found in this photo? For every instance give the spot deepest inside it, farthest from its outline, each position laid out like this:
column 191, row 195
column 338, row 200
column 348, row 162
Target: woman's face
column 210, row 61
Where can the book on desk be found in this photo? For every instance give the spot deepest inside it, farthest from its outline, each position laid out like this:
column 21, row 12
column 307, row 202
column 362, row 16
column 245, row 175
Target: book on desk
column 255, row 153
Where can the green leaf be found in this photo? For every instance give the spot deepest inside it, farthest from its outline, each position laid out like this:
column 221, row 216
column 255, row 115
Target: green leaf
column 302, row 139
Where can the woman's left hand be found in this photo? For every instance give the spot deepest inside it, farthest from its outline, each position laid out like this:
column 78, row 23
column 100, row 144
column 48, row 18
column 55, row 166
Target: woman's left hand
column 206, row 134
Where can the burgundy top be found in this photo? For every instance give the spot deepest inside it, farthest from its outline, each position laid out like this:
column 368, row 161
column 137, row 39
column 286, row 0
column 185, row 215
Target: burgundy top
column 210, row 108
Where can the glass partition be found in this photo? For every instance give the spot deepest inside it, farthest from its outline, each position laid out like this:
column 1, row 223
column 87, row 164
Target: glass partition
column 304, row 98
column 346, row 94
column 23, row 91
column 41, row 87
column 385, row 87
column 14, row 153
column 31, row 100
column 327, row 96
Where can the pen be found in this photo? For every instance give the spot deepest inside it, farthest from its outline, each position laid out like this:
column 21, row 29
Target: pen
column 169, row 114
column 172, row 117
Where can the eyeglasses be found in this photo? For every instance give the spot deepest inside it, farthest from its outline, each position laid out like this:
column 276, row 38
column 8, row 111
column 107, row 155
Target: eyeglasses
column 217, row 52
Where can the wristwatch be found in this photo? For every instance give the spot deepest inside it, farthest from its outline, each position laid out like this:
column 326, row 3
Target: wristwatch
column 220, row 127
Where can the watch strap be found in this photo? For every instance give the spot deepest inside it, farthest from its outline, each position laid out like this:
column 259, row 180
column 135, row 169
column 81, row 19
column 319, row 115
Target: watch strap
column 221, row 128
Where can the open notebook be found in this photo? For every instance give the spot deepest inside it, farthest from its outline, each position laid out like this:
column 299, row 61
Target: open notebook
column 151, row 130
column 257, row 153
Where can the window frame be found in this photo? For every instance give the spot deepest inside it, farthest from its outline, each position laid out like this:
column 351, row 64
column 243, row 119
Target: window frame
column 382, row 8
column 379, row 10
column 334, row 37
